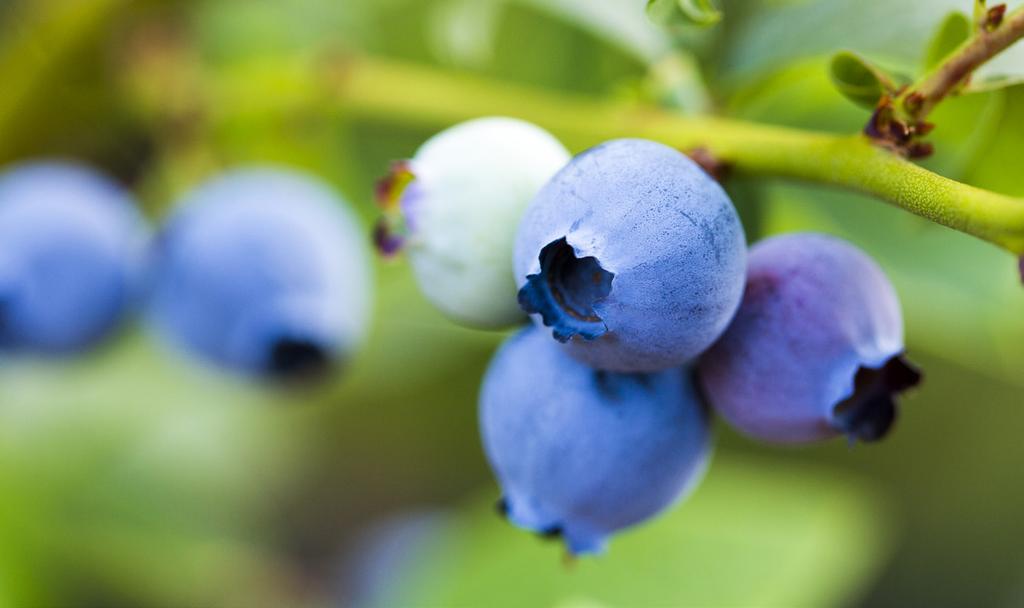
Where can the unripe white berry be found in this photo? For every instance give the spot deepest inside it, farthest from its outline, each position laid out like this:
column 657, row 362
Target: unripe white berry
column 454, row 208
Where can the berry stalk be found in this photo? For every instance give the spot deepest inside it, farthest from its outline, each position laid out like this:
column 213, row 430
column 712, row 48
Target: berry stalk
column 401, row 93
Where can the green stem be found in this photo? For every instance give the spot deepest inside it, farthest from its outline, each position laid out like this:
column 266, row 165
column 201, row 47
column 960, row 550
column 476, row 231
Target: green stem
column 35, row 44
column 425, row 97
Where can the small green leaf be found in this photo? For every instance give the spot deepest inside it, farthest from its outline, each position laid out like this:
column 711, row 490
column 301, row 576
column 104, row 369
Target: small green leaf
column 701, row 12
column 858, row 80
column 951, row 33
column 662, row 11
column 979, row 11
column 992, row 82
column 685, row 12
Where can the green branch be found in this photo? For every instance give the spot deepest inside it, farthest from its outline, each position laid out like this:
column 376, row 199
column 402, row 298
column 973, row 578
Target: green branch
column 995, row 33
column 424, row 97
column 35, row 43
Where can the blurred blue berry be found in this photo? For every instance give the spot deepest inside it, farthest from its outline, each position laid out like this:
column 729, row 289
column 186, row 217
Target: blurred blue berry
column 815, row 349
column 263, row 270
column 387, row 549
column 72, row 245
column 454, row 209
column 583, row 453
column 632, row 255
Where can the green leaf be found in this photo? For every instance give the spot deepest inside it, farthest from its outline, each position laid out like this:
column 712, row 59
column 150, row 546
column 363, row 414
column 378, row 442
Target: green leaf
column 621, row 23
column 800, row 95
column 462, row 32
column 858, row 80
column 662, row 11
column 979, row 10
column 997, row 165
column 676, row 82
column 812, row 537
column 701, row 12
column 689, row 12
column 765, row 35
column 951, row 33
column 992, row 82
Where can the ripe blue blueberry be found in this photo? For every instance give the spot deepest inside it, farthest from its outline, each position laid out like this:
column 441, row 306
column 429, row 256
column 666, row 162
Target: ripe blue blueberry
column 815, row 349
column 72, row 245
column 632, row 255
column 263, row 270
column 454, row 209
column 582, row 453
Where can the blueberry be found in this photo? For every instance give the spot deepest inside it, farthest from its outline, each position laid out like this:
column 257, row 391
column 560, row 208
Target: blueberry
column 632, row 255
column 455, row 206
column 263, row 270
column 72, row 244
column 387, row 549
column 581, row 453
column 815, row 349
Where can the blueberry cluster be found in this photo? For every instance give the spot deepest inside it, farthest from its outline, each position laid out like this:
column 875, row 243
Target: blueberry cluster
column 648, row 312
column 262, row 270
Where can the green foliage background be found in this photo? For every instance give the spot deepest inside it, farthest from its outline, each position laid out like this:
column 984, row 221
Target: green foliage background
column 131, row 477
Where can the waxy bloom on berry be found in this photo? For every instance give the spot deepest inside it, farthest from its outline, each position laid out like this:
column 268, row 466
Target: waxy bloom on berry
column 632, row 255
column 263, row 270
column 816, row 347
column 72, row 247
column 582, row 453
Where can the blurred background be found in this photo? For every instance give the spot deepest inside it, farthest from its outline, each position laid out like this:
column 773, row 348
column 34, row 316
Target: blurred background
column 131, row 477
